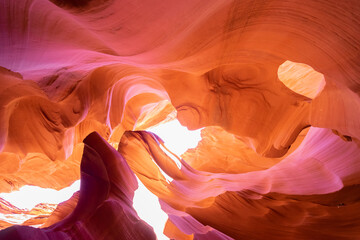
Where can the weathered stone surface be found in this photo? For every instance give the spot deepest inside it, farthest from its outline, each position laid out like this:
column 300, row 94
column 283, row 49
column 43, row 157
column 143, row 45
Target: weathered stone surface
column 104, row 204
column 276, row 82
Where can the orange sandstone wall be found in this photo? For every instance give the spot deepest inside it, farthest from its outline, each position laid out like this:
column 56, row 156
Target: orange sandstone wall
column 274, row 82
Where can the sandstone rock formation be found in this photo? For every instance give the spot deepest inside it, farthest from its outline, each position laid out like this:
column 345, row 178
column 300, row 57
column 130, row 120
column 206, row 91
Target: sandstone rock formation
column 11, row 215
column 104, row 204
column 275, row 84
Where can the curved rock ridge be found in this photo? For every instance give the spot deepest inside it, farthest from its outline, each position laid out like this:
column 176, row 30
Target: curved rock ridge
column 223, row 152
column 42, row 137
column 103, row 206
column 89, row 70
column 276, row 82
column 318, row 191
column 12, row 215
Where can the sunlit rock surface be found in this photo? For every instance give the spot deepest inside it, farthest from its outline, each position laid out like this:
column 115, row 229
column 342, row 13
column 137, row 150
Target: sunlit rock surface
column 10, row 214
column 274, row 83
column 103, row 208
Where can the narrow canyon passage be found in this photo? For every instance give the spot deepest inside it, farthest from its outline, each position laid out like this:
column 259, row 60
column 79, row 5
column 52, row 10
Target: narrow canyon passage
column 271, row 88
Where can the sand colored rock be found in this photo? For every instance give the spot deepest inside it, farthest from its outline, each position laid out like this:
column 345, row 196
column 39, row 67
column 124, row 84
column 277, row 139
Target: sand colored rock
column 104, row 202
column 275, row 84
column 302, row 207
column 11, row 215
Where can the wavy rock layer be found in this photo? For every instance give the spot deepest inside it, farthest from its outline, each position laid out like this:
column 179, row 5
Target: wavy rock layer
column 256, row 74
column 103, row 208
column 319, row 193
column 11, row 215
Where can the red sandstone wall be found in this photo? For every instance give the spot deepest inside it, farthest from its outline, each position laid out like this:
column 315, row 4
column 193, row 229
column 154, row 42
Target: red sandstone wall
column 257, row 74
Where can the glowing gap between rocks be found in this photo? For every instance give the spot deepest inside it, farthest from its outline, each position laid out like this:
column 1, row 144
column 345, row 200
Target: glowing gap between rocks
column 29, row 196
column 177, row 139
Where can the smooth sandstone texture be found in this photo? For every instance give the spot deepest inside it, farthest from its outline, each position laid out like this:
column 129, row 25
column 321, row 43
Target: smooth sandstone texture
column 11, row 215
column 103, row 208
column 274, row 83
column 237, row 204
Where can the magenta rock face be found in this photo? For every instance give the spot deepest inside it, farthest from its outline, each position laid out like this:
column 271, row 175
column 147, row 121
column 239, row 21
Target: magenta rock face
column 104, row 208
column 236, row 204
column 274, row 84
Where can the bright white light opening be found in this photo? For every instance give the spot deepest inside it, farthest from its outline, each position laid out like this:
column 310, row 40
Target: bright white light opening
column 29, row 196
column 177, row 139
column 148, row 208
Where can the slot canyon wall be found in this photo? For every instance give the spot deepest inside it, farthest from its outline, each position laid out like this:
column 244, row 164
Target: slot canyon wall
column 274, row 83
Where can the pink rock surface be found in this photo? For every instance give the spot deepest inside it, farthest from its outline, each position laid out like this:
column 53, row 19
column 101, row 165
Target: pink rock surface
column 11, row 215
column 104, row 207
column 300, row 196
column 255, row 74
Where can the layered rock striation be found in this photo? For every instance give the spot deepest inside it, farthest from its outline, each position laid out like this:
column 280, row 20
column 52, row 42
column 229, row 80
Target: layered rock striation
column 274, row 84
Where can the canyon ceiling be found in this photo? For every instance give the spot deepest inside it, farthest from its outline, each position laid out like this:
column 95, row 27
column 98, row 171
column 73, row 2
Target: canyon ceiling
column 274, row 83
